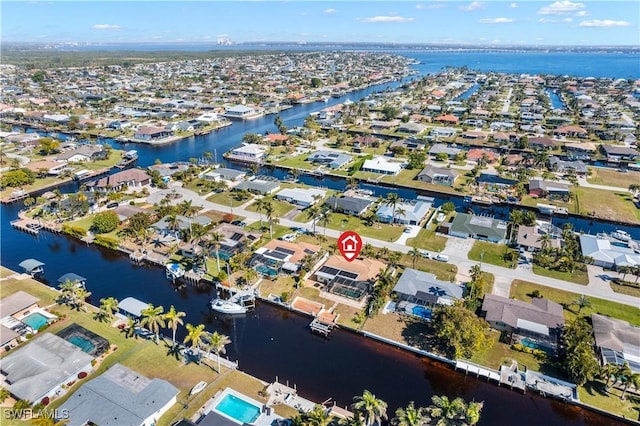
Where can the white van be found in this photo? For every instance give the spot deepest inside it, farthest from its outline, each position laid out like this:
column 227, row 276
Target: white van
column 441, row 257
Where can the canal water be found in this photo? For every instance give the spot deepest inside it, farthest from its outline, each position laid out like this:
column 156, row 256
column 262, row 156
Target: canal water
column 270, row 342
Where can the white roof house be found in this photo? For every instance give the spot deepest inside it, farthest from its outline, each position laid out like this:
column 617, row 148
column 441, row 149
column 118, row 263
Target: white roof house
column 414, row 211
column 606, row 254
column 301, row 196
column 382, row 165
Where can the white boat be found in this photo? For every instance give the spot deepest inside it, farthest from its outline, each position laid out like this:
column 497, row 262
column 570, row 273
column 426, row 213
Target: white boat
column 229, row 307
column 173, row 271
column 197, row 388
column 621, row 235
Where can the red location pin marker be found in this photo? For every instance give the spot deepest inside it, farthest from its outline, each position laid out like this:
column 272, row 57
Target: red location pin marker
column 349, row 244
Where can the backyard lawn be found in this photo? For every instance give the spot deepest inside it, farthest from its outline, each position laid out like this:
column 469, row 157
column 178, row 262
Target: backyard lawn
column 429, row 240
column 229, row 199
column 605, row 204
column 380, row 231
column 579, row 275
column 521, row 289
column 612, row 177
column 280, row 208
column 491, row 253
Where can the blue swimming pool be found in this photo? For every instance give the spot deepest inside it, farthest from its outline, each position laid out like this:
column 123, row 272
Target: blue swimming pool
column 238, row 409
column 422, row 312
column 35, row 320
column 531, row 344
column 83, row 343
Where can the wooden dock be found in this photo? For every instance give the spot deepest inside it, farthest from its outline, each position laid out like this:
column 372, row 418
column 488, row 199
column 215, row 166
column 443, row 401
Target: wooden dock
column 33, row 227
column 321, row 327
column 14, row 197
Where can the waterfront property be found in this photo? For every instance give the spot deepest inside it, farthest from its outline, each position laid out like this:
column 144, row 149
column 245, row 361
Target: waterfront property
column 407, row 212
column 355, row 206
column 242, row 112
column 165, row 228
column 303, row 197
column 9, row 338
column 486, row 228
column 86, row 340
column 18, row 305
column 438, row 148
column 438, row 176
column 349, row 279
column 222, row 173
column 567, row 166
column 608, row 253
column 120, row 396
column 531, row 237
column 84, row 153
column 549, row 189
column 149, row 133
column 248, row 152
column 333, row 160
column 382, row 165
column 420, row 291
column 131, row 179
column 42, row 367
column 21, row 315
column 617, row 341
column 236, row 240
column 259, row 186
column 279, row 256
column 131, row 307
column 230, row 408
column 536, row 325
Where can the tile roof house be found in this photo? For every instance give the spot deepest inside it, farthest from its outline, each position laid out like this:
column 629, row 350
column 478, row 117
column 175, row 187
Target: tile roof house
column 423, row 288
column 349, row 205
column 541, row 318
column 126, row 179
column 40, row 368
column 120, row 396
column 479, row 227
column 571, row 131
column 541, row 143
column 414, row 212
column 617, row 341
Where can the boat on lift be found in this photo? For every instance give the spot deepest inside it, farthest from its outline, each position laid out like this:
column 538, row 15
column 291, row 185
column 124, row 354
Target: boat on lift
column 621, row 235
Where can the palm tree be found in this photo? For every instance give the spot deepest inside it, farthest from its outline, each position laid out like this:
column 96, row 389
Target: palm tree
column 314, row 213
column 631, row 379
column 372, row 409
column 392, row 200
column 545, row 241
column 194, row 335
column 415, row 255
column 326, row 215
column 109, row 305
column 475, row 272
column 216, row 239
column 260, row 205
column 445, row 412
column 269, row 211
column 410, row 416
column 217, row 343
column 153, row 319
column 130, row 327
column 80, row 296
column 400, row 212
column 582, row 302
column 174, row 319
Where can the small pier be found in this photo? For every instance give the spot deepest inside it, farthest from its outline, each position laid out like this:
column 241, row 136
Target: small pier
column 27, row 226
column 321, row 327
column 513, row 377
column 477, row 370
column 15, row 196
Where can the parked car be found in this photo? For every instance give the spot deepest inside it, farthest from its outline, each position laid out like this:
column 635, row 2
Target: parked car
column 288, row 237
column 425, row 254
column 441, row 257
column 407, row 230
column 112, row 205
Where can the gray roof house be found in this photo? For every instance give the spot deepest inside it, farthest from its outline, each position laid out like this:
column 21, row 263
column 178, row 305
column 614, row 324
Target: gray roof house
column 303, row 197
column 451, row 151
column 563, row 166
column 437, row 175
column 40, row 368
column 606, row 254
column 222, row 173
column 479, row 227
column 17, row 302
column 414, row 212
column 130, row 306
column 8, row 338
column 349, row 205
column 120, row 396
column 423, row 288
column 617, row 341
column 541, row 318
column 619, row 151
column 334, row 160
column 260, row 186
column 183, row 223
column 411, row 127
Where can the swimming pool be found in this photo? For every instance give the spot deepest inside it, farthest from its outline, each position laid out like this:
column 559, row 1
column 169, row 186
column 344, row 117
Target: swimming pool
column 35, row 320
column 531, row 344
column 422, row 312
column 238, row 409
column 83, row 343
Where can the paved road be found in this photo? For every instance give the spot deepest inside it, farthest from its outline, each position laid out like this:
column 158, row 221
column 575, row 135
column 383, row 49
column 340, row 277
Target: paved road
column 456, row 249
column 582, row 181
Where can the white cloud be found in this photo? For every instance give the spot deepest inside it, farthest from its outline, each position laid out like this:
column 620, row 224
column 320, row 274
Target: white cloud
column 513, row 5
column 106, row 27
column 472, row 6
column 582, row 13
column 387, row 19
column 554, row 21
column 496, row 20
column 561, row 8
column 330, row 11
column 604, row 23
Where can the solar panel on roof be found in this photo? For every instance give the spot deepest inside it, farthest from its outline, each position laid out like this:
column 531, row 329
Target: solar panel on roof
column 285, row 250
column 236, row 236
column 329, row 270
column 276, row 254
column 347, row 274
column 309, row 251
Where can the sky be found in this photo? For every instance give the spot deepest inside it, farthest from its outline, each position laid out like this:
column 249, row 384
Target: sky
column 563, row 22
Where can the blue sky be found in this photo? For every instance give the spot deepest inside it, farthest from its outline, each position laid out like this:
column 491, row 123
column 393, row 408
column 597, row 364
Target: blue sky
column 562, row 22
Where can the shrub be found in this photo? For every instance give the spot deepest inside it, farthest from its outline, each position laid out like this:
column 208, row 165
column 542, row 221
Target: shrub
column 74, row 231
column 228, row 217
column 105, row 222
column 107, row 242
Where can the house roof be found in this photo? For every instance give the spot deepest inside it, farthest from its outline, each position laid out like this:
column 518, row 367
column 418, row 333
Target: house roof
column 35, row 369
column 509, row 311
column 124, row 212
column 381, row 163
column 250, row 148
column 562, row 165
column 413, row 210
column 542, row 141
column 367, row 269
column 440, row 147
column 146, row 130
column 547, row 185
column 432, row 171
column 229, row 173
column 132, row 306
column 305, row 195
column 346, row 203
column 412, row 282
column 130, row 175
column 296, row 251
column 483, row 225
column 620, row 150
column 6, row 335
column 602, row 250
column 120, row 396
column 16, row 302
column 258, row 185
column 493, row 179
column 616, row 334
column 529, row 236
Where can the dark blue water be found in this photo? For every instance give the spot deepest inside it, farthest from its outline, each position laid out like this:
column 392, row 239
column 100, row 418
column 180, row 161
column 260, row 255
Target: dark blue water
column 556, row 102
column 467, row 93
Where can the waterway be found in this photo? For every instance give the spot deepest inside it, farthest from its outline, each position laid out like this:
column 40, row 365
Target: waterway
column 556, row 102
column 272, row 342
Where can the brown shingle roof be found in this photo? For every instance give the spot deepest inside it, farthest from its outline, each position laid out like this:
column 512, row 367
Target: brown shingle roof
column 508, row 311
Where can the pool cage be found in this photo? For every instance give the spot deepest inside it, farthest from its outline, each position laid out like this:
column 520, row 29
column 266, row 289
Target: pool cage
column 96, row 345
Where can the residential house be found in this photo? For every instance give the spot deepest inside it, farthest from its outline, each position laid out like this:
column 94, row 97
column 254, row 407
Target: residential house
column 617, row 341
column 130, row 307
column 451, row 150
column 412, row 128
column 549, row 189
column 620, row 153
column 53, row 168
column 531, row 238
column 424, row 289
column 275, row 139
column 438, row 176
column 382, row 165
column 493, row 183
column 235, row 240
column 565, row 166
column 131, row 179
column 353, row 280
column 571, row 131
column 149, row 133
column 481, row 155
column 248, row 152
column 42, row 367
column 606, row 253
column 9, row 339
column 332, row 159
column 541, row 143
column 580, row 150
column 242, row 112
column 18, row 305
column 411, row 144
column 164, row 226
column 443, row 132
column 120, row 396
column 407, row 212
column 262, row 186
column 447, row 119
column 85, row 153
column 384, row 125
column 479, row 227
column 303, row 197
column 169, row 169
column 364, row 141
column 125, row 212
column 354, row 206
column 279, row 256
column 222, row 173
column 541, row 320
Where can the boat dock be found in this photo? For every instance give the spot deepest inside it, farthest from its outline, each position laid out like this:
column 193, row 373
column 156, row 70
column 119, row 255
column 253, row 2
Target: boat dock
column 321, row 327
column 477, row 370
column 33, row 227
column 15, row 196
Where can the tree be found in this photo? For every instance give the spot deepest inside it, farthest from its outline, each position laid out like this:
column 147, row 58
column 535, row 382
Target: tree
column 315, row 82
column 314, row 213
column 252, row 138
column 415, row 255
column 105, row 222
column 577, row 355
column 318, row 416
column 442, row 156
column 79, row 297
column 15, row 178
column 326, row 216
column 392, row 201
column 460, row 330
column 153, row 319
column 410, row 416
column 448, row 207
column 217, row 343
column 582, row 302
column 194, row 335
column 630, row 379
column 371, row 408
column 446, row 412
column 109, row 305
column 48, row 145
column 389, row 112
column 216, row 240
column 280, row 125
column 4, row 394
column 174, row 319
column 140, row 221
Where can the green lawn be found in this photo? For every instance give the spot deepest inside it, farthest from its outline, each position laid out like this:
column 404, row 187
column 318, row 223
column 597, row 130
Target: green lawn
column 612, row 177
column 607, row 204
column 407, row 177
column 280, row 208
column 442, row 270
column 380, row 231
column 490, row 253
column 297, row 162
column 86, row 222
column 521, row 289
column 229, row 199
column 626, row 289
column 429, row 240
column 595, row 394
column 278, row 230
column 579, row 275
